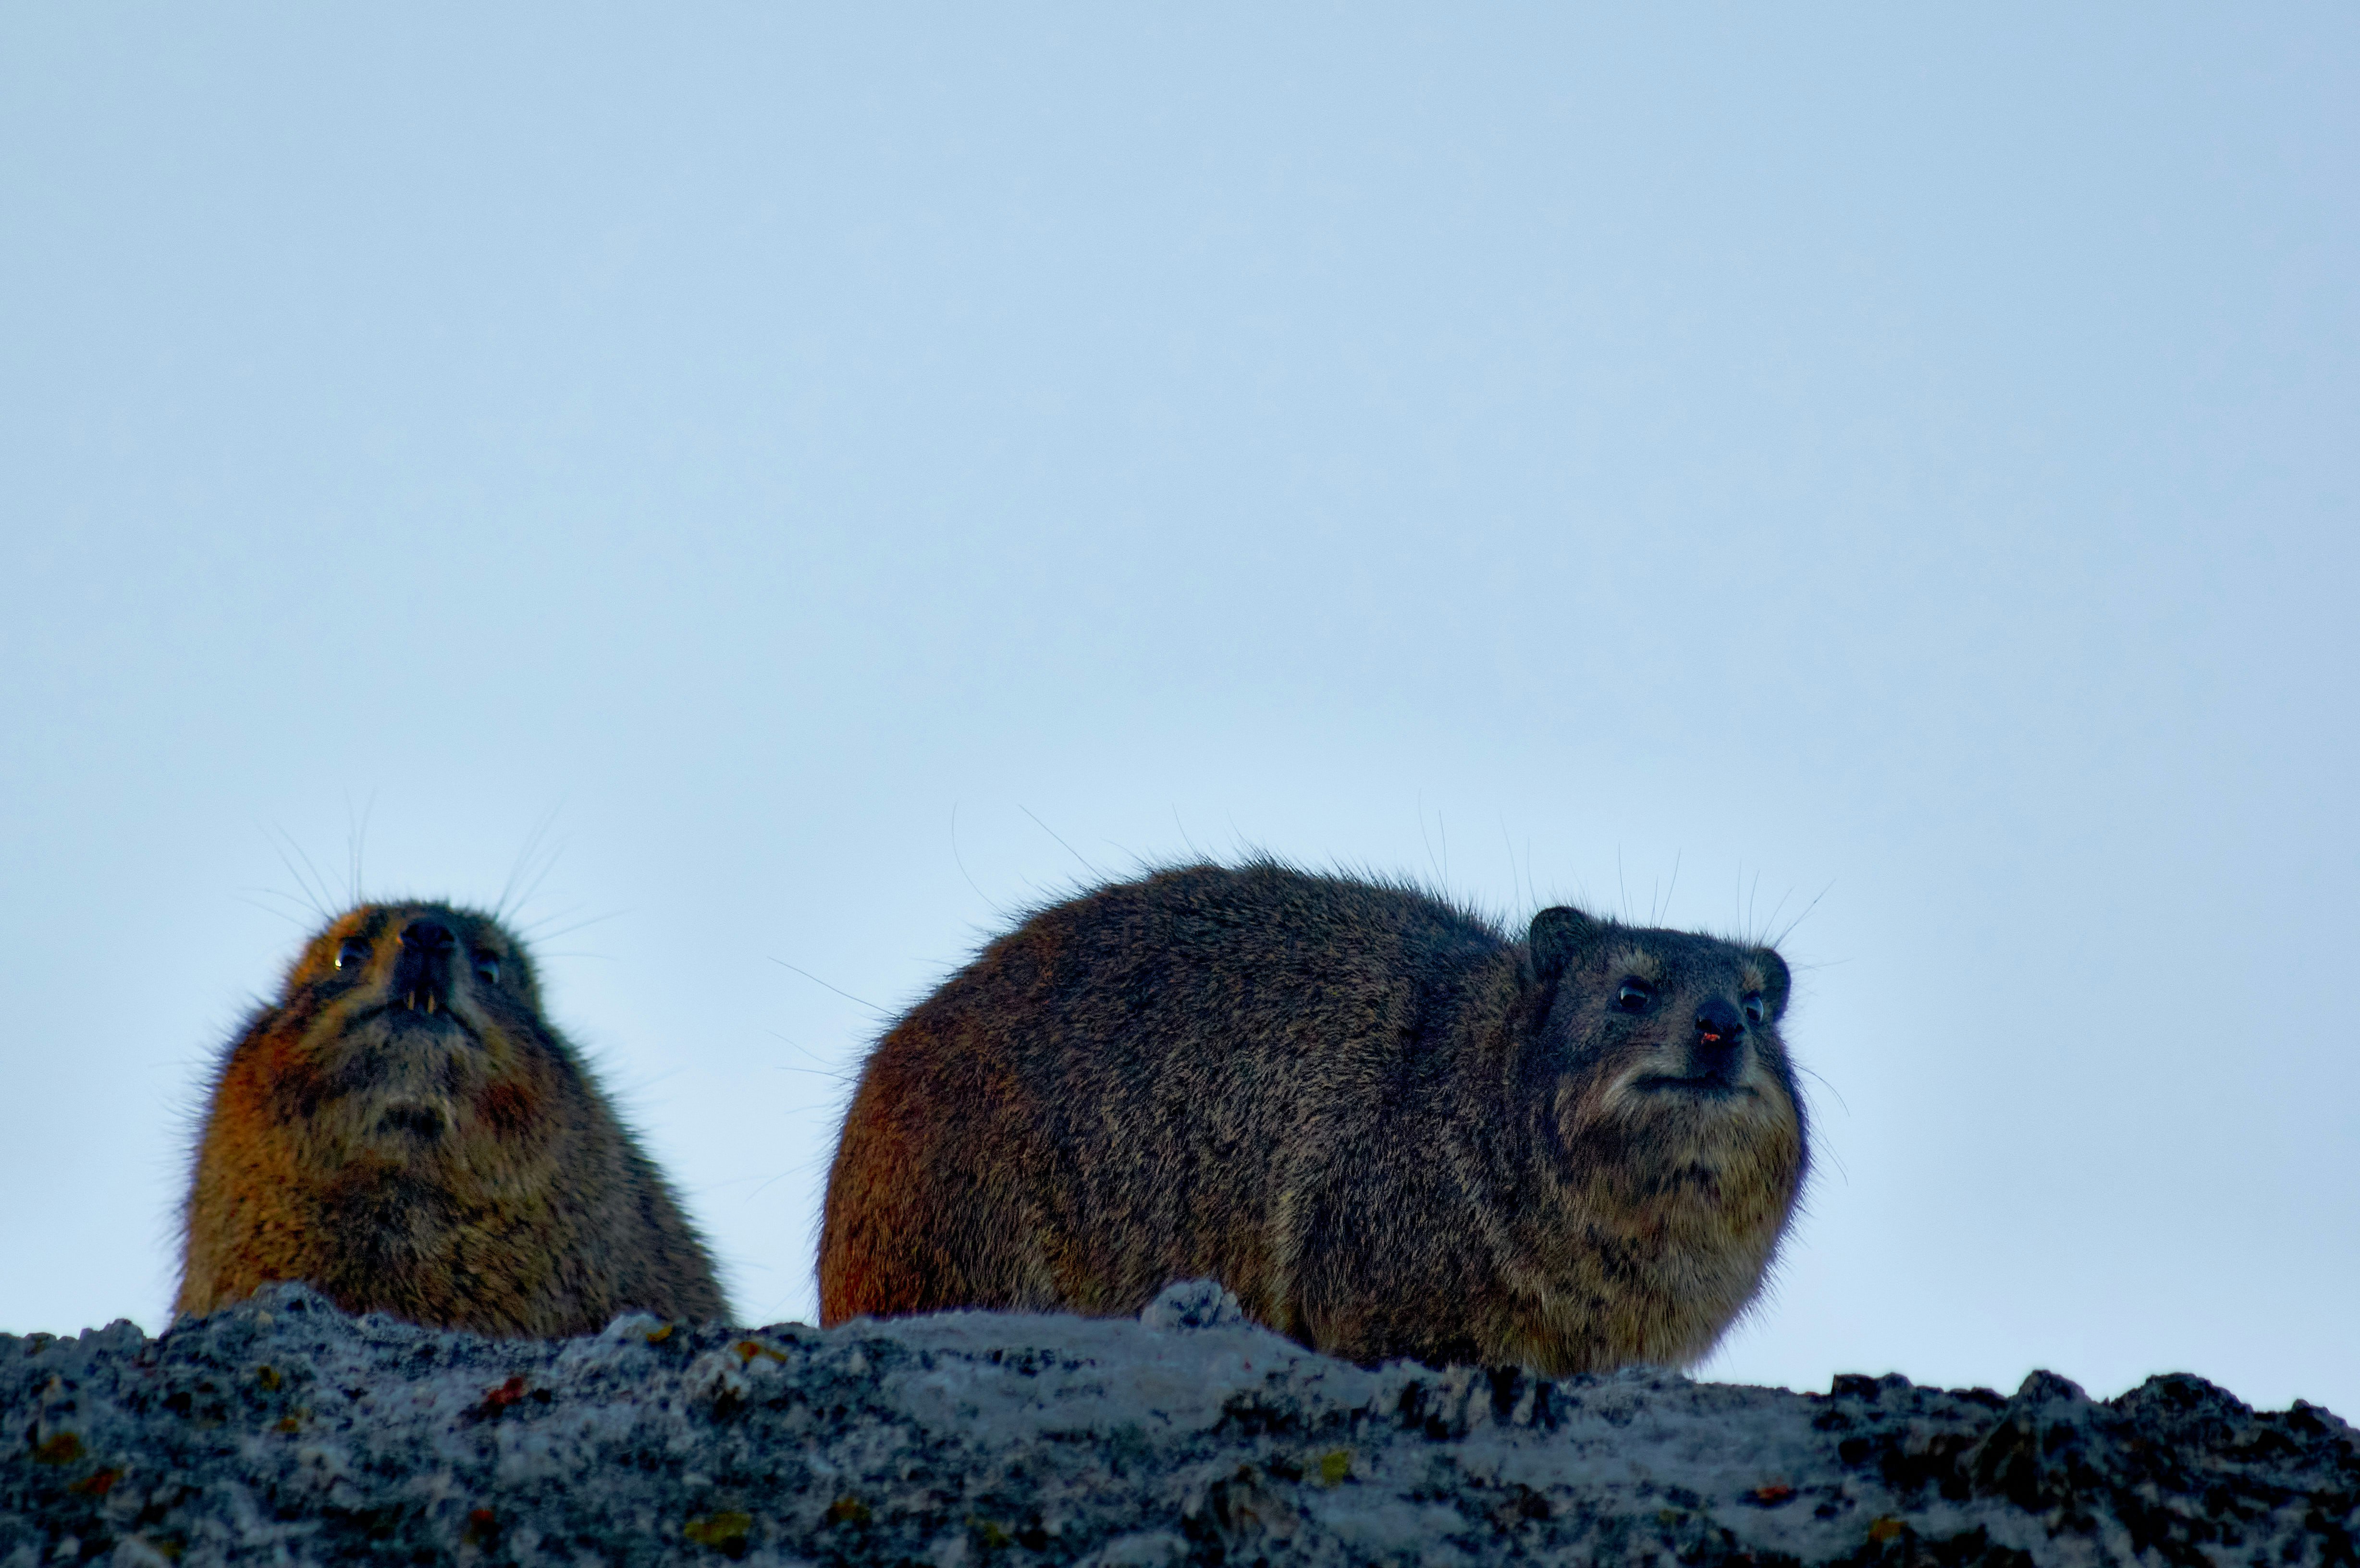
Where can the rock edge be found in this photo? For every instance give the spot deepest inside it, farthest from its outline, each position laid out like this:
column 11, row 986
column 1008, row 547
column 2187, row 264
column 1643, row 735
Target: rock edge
column 282, row 1430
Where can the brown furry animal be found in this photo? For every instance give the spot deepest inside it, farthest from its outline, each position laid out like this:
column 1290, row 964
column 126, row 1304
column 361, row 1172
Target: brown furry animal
column 1389, row 1129
column 404, row 1131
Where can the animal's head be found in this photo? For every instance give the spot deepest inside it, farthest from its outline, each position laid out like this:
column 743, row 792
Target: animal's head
column 1662, row 1071
column 404, row 1033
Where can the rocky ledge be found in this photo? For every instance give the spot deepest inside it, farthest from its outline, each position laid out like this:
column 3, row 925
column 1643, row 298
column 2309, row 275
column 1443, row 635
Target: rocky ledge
column 281, row 1430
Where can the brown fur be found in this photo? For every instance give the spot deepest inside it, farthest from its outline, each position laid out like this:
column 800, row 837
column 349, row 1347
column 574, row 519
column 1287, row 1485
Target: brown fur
column 1389, row 1129
column 406, row 1133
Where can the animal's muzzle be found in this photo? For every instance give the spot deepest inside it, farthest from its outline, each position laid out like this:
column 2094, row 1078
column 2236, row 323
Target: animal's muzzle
column 1718, row 1051
column 422, row 976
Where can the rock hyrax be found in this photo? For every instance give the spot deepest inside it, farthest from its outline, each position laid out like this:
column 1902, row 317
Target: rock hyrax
column 1392, row 1130
column 403, row 1130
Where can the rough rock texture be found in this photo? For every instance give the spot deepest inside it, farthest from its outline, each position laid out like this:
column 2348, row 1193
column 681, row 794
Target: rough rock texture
column 281, row 1430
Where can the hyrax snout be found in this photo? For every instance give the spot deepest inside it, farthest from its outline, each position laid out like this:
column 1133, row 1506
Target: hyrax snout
column 1391, row 1129
column 404, row 1130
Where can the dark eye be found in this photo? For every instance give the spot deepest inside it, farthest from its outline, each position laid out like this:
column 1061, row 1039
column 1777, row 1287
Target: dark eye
column 353, row 954
column 487, row 967
column 1751, row 1002
column 1635, row 996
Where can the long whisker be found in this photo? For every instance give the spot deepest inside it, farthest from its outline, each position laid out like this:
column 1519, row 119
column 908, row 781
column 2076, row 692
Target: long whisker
column 833, row 1069
column 357, row 840
column 1515, row 888
column 265, row 909
column 536, row 932
column 961, row 860
column 1068, row 848
column 1830, row 1088
column 837, row 989
column 281, row 845
column 523, row 864
column 1805, row 915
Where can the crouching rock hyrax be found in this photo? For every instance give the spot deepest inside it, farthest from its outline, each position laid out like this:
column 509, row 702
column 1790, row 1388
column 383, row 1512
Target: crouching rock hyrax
column 1392, row 1130
column 402, row 1130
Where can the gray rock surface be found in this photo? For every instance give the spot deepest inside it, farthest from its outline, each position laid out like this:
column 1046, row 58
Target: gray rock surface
column 282, row 1432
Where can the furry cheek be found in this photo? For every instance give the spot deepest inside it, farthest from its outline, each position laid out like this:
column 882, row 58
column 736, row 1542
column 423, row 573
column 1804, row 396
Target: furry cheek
column 506, row 1108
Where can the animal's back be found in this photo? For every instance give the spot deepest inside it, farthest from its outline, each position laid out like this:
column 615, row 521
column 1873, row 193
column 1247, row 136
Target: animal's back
column 1121, row 1092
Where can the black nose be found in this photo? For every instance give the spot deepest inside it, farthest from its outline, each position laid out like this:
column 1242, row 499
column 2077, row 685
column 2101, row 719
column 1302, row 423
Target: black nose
column 421, row 978
column 1719, row 1039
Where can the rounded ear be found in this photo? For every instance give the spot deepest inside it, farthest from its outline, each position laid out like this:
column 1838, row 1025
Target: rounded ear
column 1558, row 936
column 1776, row 982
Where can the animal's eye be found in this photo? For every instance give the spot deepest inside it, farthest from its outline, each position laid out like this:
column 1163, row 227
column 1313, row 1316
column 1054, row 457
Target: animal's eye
column 353, row 954
column 1635, row 996
column 487, row 967
column 1751, row 1002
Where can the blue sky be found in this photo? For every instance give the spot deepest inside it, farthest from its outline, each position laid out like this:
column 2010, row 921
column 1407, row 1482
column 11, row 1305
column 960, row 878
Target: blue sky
column 849, row 477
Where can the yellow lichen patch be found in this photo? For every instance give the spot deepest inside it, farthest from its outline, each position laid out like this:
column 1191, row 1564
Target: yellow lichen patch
column 1335, row 1466
column 720, row 1531
column 63, row 1448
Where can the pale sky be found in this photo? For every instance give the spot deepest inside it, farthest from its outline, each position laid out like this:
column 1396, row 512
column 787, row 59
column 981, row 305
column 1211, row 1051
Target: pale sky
column 853, row 475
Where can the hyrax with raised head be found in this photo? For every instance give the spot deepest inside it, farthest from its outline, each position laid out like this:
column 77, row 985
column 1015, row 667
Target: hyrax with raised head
column 1391, row 1129
column 403, row 1130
